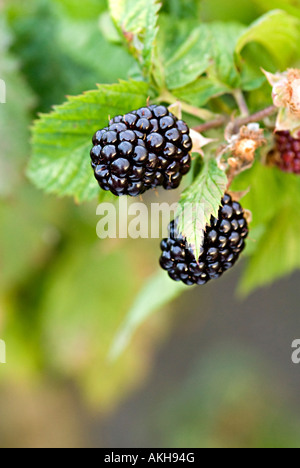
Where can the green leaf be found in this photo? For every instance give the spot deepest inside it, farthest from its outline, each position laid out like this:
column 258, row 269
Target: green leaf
column 223, row 41
column 190, row 60
column 108, row 28
column 157, row 292
column 137, row 20
column 277, row 31
column 277, row 253
column 190, row 50
column 251, row 82
column 273, row 245
column 201, row 91
column 62, row 139
column 199, row 203
column 264, row 199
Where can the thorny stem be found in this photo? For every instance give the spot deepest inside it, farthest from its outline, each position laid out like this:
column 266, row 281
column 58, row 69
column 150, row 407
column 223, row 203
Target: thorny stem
column 217, row 123
column 257, row 117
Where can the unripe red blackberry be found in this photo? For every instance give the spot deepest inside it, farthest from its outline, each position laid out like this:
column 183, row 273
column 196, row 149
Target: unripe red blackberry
column 288, row 151
column 224, row 241
column 141, row 150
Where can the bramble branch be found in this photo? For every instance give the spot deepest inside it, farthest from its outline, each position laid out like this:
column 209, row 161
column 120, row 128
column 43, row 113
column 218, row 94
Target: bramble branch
column 217, row 123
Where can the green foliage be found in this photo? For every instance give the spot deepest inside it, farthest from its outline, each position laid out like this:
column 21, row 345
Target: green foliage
column 57, row 284
column 200, row 202
column 202, row 90
column 275, row 250
column 290, row 6
column 277, row 253
column 78, row 327
column 157, row 292
column 12, row 116
column 244, row 12
column 278, row 32
column 201, row 63
column 190, row 50
column 62, row 139
column 137, row 21
column 71, row 44
column 92, row 8
column 206, row 61
column 182, row 8
column 185, row 53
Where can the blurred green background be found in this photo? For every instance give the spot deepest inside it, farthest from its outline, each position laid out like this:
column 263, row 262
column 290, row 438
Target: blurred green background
column 208, row 371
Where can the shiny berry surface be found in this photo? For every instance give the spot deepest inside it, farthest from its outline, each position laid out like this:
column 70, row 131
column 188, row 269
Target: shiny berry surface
column 141, row 150
column 224, row 241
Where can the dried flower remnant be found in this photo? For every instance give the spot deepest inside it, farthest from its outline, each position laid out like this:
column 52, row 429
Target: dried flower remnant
column 286, row 97
column 242, row 147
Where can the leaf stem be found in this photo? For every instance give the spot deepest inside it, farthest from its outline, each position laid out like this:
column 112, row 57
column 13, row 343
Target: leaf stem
column 241, row 102
column 217, row 123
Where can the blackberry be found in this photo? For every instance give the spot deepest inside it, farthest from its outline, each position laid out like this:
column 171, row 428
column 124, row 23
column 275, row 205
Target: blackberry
column 141, row 150
column 288, row 152
column 224, row 240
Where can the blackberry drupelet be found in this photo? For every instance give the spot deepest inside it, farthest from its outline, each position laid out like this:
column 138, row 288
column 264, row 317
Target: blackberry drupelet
column 224, row 240
column 141, row 150
column 288, row 149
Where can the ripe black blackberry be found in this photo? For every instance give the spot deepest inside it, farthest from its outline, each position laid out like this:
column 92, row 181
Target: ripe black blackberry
column 141, row 150
column 288, row 152
column 224, row 241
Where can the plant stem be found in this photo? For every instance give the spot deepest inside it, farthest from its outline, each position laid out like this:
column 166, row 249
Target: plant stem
column 241, row 102
column 217, row 123
column 257, row 117
column 211, row 124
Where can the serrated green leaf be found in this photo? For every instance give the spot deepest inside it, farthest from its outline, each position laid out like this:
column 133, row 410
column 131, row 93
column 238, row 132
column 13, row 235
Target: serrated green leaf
column 60, row 161
column 277, row 31
column 199, row 203
column 157, row 292
column 137, row 20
